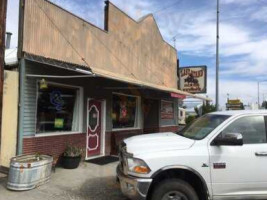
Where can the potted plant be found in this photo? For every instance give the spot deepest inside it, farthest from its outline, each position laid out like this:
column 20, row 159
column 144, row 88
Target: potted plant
column 71, row 157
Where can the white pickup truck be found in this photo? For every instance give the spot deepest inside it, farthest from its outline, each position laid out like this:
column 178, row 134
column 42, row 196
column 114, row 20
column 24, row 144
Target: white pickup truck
column 222, row 155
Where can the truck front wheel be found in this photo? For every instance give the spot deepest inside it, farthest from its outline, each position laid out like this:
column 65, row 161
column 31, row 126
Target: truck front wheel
column 174, row 189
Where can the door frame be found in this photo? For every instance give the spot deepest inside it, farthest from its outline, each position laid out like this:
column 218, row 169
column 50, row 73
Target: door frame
column 103, row 128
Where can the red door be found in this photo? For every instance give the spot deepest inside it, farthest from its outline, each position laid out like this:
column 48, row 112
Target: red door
column 93, row 128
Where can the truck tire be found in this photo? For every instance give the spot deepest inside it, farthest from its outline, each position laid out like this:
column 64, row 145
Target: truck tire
column 174, row 189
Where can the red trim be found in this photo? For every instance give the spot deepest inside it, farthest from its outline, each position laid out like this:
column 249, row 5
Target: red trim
column 178, row 96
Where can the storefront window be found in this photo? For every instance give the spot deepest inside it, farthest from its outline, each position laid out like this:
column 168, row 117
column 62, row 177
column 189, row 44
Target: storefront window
column 57, row 109
column 167, row 110
column 124, row 113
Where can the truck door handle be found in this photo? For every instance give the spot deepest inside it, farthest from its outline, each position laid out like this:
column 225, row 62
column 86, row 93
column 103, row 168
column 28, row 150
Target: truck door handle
column 261, row 153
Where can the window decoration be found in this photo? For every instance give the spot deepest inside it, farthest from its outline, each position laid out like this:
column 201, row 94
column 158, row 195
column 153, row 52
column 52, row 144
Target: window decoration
column 57, row 109
column 124, row 113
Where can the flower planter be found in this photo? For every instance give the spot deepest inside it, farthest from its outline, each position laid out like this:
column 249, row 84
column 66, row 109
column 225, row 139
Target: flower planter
column 28, row 171
column 69, row 162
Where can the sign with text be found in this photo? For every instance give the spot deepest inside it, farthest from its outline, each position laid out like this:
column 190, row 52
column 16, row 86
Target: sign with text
column 193, row 79
column 167, row 110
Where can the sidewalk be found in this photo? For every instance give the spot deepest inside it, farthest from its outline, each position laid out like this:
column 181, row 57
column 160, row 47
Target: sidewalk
column 88, row 182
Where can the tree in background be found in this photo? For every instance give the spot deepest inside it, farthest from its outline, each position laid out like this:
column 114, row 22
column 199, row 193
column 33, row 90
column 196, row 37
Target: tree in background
column 264, row 104
column 205, row 108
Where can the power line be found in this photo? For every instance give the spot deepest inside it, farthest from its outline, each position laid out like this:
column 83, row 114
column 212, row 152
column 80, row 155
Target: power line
column 71, row 45
column 167, row 7
column 109, row 50
column 58, row 29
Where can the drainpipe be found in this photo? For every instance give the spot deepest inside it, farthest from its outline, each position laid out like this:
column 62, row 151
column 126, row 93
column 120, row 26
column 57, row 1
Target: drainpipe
column 21, row 106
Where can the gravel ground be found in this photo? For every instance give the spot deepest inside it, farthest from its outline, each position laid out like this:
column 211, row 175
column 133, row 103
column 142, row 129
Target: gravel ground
column 88, row 182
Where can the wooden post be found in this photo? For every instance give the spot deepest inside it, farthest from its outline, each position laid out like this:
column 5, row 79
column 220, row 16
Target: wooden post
column 3, row 10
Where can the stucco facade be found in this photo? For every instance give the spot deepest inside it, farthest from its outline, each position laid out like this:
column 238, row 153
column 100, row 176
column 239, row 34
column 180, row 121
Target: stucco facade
column 9, row 117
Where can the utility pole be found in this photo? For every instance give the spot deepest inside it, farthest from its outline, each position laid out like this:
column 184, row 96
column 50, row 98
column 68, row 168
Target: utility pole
column 3, row 10
column 217, row 55
column 258, row 94
column 174, row 42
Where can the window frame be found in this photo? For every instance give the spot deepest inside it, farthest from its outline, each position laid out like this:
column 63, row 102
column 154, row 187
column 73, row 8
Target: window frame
column 243, row 116
column 138, row 115
column 80, row 110
column 265, row 121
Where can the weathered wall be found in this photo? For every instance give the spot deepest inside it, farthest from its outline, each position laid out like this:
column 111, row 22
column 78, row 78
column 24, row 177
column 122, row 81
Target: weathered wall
column 133, row 49
column 9, row 118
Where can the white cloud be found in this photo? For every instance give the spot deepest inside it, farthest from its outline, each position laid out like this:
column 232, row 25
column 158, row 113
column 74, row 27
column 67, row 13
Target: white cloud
column 245, row 90
column 239, row 2
column 260, row 15
column 91, row 12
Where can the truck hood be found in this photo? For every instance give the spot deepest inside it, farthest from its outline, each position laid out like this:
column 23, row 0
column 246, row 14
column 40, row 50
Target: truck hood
column 157, row 142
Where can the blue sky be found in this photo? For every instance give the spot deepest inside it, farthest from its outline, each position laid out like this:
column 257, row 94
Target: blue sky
column 243, row 36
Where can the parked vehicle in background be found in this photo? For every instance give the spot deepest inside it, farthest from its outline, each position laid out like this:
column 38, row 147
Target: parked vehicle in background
column 181, row 116
column 222, row 155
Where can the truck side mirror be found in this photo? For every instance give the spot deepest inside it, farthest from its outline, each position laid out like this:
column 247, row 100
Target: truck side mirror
column 229, row 139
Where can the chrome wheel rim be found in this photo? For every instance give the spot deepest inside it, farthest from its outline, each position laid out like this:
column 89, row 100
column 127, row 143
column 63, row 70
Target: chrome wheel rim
column 174, row 195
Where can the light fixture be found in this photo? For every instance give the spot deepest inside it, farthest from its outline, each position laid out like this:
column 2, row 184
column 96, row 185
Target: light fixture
column 84, row 71
column 43, row 84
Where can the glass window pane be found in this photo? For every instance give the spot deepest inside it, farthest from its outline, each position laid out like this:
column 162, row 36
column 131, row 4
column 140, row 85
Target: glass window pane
column 203, row 126
column 124, row 111
column 55, row 109
column 252, row 128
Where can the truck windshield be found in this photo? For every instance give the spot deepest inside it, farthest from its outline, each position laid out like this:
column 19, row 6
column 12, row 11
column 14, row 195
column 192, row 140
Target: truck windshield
column 203, row 126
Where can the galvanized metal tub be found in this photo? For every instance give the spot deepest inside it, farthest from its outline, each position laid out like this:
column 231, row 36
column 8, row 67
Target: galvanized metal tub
column 29, row 171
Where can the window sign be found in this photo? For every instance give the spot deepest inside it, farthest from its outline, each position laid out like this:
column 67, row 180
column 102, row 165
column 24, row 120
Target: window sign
column 59, row 123
column 57, row 109
column 167, row 110
column 124, row 111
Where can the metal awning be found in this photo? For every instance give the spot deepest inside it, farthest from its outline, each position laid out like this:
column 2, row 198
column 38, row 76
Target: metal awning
column 93, row 71
column 173, row 92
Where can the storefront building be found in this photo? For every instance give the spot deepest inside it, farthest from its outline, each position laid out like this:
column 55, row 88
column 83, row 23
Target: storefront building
column 90, row 87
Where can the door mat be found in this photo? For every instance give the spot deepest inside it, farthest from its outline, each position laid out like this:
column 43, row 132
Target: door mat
column 103, row 160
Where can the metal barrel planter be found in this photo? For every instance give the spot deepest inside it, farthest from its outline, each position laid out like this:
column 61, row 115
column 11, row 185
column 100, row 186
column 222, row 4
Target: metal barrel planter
column 29, row 171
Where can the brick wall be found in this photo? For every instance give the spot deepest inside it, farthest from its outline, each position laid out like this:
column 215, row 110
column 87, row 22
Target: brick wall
column 55, row 145
column 168, row 129
column 52, row 145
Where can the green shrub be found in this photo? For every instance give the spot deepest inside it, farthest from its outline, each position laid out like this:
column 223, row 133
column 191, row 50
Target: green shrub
column 190, row 119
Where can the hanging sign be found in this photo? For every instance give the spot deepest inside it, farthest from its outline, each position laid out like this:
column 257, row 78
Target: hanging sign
column 193, row 79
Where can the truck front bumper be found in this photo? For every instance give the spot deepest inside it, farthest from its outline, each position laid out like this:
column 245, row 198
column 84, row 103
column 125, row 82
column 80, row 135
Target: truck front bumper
column 133, row 187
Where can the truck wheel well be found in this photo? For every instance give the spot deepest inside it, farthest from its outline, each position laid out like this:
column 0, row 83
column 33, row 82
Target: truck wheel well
column 186, row 175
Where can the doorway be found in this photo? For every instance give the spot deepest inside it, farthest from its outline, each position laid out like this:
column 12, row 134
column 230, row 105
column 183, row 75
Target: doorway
column 95, row 138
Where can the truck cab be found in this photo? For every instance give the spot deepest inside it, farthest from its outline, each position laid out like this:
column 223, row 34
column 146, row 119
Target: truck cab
column 222, row 155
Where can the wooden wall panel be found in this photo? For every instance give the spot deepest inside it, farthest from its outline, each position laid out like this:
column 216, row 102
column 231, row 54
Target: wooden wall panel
column 132, row 49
